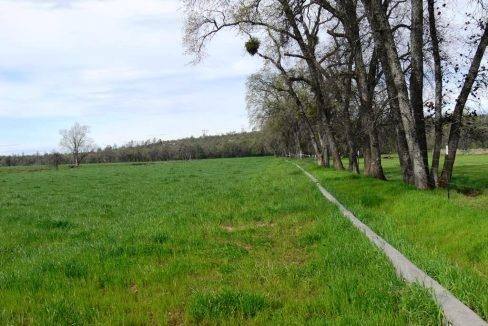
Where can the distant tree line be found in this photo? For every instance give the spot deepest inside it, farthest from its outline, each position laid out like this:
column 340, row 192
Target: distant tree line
column 221, row 146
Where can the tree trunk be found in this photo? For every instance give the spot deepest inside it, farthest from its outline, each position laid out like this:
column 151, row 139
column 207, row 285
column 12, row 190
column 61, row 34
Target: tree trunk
column 351, row 26
column 318, row 84
column 436, row 54
column 327, row 157
column 367, row 158
column 319, row 156
column 366, row 155
column 401, row 141
column 313, row 136
column 376, row 168
column 299, row 104
column 350, row 137
column 457, row 115
column 383, row 37
column 332, row 146
column 298, row 145
column 352, row 155
column 325, row 150
column 322, row 108
column 76, row 160
column 404, row 156
column 324, row 161
column 417, row 75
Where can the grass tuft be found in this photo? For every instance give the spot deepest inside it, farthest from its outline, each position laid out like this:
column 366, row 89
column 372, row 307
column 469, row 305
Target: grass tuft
column 160, row 238
column 224, row 304
column 55, row 224
column 75, row 269
column 371, row 200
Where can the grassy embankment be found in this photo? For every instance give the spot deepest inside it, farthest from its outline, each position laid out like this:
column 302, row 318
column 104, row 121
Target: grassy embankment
column 217, row 241
column 448, row 238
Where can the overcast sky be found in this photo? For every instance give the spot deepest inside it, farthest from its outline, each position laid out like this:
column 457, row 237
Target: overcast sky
column 115, row 65
column 118, row 66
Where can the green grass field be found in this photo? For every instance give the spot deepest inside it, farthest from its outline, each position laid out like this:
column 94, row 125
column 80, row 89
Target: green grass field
column 229, row 241
column 447, row 238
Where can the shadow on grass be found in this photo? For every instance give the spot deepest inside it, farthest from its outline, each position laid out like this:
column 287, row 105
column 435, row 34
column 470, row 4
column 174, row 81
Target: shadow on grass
column 471, row 177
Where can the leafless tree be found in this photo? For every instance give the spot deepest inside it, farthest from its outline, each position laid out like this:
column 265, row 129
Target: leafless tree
column 356, row 63
column 439, row 97
column 481, row 38
column 76, row 141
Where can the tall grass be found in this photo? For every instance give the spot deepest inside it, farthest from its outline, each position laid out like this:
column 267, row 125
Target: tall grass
column 445, row 236
column 217, row 241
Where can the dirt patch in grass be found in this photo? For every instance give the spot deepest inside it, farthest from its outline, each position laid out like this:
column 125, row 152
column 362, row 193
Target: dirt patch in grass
column 134, row 289
column 228, row 228
column 176, row 317
column 246, row 246
column 233, row 228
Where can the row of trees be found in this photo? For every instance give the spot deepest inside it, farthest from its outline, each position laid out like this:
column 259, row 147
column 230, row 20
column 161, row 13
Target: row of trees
column 274, row 138
column 80, row 149
column 353, row 73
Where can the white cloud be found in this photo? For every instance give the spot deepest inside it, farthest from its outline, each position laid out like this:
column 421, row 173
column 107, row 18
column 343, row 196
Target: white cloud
column 117, row 65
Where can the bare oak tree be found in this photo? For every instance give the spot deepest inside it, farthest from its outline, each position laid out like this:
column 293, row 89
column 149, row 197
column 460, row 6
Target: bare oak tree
column 353, row 73
column 76, row 141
